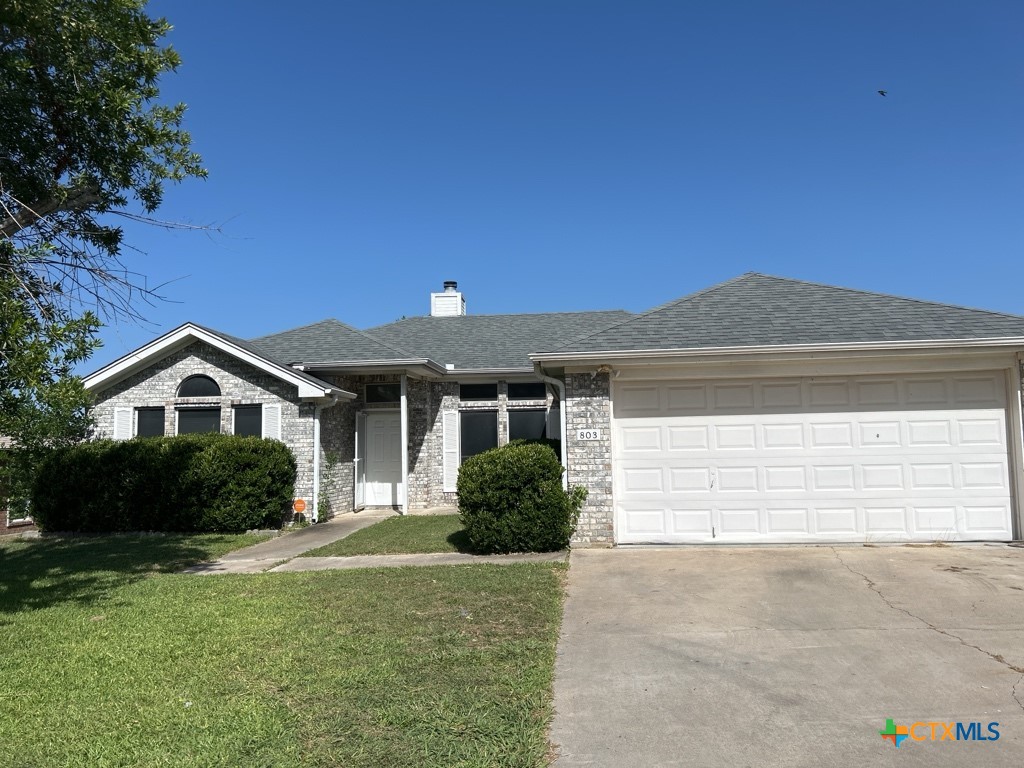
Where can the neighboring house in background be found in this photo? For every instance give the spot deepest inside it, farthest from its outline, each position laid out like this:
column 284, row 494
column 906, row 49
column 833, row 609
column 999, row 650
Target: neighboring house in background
column 762, row 409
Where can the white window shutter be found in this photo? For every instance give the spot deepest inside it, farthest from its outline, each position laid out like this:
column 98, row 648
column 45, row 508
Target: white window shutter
column 450, row 428
column 554, row 424
column 272, row 421
column 123, row 423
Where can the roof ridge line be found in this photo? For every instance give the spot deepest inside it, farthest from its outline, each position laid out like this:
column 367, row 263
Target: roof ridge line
column 303, row 327
column 680, row 300
column 504, row 314
column 879, row 294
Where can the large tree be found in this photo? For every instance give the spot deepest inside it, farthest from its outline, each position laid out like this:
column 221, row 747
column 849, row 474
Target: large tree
column 83, row 141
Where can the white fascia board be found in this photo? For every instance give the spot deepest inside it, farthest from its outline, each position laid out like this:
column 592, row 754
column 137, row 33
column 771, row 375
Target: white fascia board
column 644, row 356
column 491, row 372
column 186, row 334
column 424, row 365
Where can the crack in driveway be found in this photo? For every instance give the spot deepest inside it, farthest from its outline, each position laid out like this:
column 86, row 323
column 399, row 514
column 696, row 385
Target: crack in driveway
column 994, row 656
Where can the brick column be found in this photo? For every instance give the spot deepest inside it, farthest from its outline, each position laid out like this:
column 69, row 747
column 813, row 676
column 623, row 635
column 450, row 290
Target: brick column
column 588, row 406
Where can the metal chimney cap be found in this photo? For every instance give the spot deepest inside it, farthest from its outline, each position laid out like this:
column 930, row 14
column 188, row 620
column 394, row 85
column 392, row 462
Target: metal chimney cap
column 450, row 286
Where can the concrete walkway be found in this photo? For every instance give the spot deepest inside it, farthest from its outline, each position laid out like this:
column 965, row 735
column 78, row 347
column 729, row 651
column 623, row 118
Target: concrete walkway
column 396, row 561
column 265, row 555
column 281, row 554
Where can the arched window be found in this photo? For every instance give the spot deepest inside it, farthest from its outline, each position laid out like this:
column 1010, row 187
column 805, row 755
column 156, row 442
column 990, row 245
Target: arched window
column 199, row 386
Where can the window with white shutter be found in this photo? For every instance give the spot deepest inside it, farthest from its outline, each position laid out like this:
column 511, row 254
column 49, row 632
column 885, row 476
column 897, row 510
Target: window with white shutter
column 272, row 421
column 123, row 423
column 450, row 429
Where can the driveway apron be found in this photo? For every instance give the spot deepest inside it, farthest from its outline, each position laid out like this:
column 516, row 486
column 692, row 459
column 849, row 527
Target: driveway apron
column 790, row 656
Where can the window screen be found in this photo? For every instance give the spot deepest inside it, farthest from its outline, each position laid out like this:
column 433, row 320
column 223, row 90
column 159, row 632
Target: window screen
column 527, row 425
column 527, row 390
column 249, row 420
column 191, row 420
column 150, row 422
column 478, row 432
column 478, row 391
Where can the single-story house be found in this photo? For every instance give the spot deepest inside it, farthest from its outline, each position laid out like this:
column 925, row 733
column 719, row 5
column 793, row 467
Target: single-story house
column 762, row 409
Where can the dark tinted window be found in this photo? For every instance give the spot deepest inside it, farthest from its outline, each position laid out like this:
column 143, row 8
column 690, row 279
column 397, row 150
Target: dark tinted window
column 249, row 420
column 478, row 391
column 478, row 432
column 527, row 425
column 198, row 420
column 383, row 393
column 151, row 422
column 527, row 390
column 199, row 386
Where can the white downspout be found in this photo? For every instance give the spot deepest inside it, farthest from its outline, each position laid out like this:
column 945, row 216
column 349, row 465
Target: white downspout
column 563, row 420
column 405, row 445
column 315, row 515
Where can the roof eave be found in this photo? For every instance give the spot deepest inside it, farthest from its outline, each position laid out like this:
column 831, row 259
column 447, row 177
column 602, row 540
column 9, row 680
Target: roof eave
column 924, row 345
column 185, row 334
column 420, row 365
column 490, row 371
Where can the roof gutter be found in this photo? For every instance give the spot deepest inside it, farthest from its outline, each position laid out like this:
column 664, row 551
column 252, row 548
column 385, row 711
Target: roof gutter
column 870, row 346
column 395, row 363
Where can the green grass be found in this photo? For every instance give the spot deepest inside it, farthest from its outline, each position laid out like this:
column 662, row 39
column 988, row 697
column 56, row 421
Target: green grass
column 111, row 661
column 414, row 534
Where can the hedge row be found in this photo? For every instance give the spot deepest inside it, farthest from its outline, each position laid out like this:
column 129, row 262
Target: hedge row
column 204, row 482
column 511, row 500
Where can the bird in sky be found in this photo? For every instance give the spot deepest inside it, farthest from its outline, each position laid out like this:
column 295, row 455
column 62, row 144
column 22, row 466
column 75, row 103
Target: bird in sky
column 883, row 93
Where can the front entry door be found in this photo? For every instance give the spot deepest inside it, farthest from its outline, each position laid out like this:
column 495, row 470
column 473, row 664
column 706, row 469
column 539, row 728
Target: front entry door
column 383, row 459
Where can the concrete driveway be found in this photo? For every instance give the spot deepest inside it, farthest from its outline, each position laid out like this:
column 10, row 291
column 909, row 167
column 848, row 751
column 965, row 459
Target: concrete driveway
column 790, row 656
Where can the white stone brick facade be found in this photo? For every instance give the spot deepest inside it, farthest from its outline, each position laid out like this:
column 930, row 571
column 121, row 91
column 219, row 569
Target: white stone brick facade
column 427, row 401
column 240, row 384
column 588, row 406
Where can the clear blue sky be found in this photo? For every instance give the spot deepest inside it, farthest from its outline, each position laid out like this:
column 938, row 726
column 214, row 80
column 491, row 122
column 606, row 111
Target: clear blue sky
column 566, row 155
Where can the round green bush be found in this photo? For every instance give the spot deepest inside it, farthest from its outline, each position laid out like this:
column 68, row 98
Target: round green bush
column 511, row 500
column 209, row 483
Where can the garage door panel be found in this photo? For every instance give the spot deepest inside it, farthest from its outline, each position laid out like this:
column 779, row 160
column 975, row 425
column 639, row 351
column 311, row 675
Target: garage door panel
column 731, row 437
column 923, row 458
column 940, row 522
column 785, row 437
column 782, row 395
column 689, row 480
column 989, row 475
column 691, row 522
column 981, row 432
column 980, row 390
column 836, row 521
column 785, row 479
column 885, row 520
column 885, row 392
column 795, row 521
column 880, row 434
column 984, row 520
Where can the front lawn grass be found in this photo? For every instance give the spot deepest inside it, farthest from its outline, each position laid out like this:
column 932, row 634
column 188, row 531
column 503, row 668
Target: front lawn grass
column 109, row 660
column 411, row 534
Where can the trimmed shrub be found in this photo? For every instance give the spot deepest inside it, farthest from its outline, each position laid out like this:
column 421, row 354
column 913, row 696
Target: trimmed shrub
column 511, row 500
column 212, row 483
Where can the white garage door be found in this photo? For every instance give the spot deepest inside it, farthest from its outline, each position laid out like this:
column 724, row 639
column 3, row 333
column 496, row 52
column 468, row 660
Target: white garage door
column 793, row 460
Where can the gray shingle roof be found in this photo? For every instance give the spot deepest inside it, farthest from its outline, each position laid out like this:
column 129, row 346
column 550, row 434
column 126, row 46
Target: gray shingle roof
column 248, row 346
column 761, row 310
column 327, row 341
column 490, row 341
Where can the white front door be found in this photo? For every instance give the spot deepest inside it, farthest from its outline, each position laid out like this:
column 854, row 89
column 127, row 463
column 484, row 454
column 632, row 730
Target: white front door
column 882, row 458
column 383, row 470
